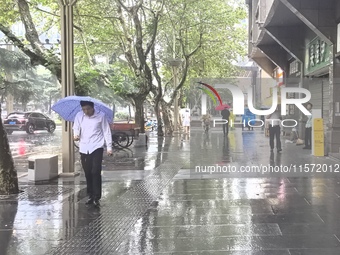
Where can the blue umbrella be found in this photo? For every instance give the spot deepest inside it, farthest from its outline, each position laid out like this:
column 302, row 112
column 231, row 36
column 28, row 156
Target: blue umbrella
column 68, row 107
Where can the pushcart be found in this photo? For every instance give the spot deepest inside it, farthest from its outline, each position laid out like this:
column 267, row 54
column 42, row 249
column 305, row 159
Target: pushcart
column 123, row 134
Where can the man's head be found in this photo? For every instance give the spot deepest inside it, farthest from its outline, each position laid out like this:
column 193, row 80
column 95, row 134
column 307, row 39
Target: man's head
column 87, row 107
column 309, row 106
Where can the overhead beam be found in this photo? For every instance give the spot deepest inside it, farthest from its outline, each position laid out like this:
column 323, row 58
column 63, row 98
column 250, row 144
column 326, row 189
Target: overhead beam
column 276, row 54
column 290, row 39
column 266, row 64
column 320, row 21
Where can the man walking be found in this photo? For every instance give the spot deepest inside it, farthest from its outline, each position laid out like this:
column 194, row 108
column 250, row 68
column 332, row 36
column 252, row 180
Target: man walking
column 274, row 129
column 308, row 130
column 92, row 130
column 225, row 116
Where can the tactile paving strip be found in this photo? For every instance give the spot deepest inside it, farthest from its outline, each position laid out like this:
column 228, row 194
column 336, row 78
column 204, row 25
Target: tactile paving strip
column 106, row 233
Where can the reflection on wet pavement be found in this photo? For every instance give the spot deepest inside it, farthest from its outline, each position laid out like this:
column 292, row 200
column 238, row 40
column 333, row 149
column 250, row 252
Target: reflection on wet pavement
column 153, row 204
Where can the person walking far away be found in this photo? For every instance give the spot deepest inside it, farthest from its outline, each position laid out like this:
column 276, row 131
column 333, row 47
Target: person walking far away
column 308, row 130
column 92, row 130
column 186, row 121
column 274, row 129
column 225, row 116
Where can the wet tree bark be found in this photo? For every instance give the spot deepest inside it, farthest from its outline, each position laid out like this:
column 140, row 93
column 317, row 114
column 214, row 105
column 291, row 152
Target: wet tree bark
column 139, row 114
column 8, row 174
column 157, row 110
column 167, row 117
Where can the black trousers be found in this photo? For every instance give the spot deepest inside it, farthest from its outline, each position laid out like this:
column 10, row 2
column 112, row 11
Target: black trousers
column 226, row 127
column 308, row 137
column 274, row 131
column 92, row 165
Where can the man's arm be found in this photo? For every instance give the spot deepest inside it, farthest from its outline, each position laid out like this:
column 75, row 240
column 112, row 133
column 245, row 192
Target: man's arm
column 107, row 134
column 76, row 127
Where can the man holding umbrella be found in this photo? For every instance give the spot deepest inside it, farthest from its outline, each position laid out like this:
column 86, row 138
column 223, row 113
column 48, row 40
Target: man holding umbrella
column 91, row 128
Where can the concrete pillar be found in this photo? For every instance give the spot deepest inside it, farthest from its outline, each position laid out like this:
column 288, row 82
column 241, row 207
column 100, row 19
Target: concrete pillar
column 67, row 80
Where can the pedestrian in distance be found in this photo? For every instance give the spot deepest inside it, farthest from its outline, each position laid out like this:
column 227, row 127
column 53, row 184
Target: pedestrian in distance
column 225, row 116
column 275, row 129
column 206, row 119
column 92, row 130
column 186, row 121
column 308, row 129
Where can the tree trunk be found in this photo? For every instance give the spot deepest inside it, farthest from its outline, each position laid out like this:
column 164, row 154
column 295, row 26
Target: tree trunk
column 167, row 118
column 8, row 174
column 159, row 119
column 139, row 114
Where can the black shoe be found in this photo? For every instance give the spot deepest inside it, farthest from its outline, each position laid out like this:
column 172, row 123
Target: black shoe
column 306, row 148
column 278, row 150
column 96, row 203
column 89, row 201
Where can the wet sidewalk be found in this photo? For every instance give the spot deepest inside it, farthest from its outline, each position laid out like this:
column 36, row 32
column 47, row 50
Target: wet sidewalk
column 153, row 204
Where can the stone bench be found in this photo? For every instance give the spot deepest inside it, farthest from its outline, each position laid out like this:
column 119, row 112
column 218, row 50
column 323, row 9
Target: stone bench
column 42, row 167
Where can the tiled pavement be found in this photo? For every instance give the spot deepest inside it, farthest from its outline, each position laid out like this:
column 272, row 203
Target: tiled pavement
column 169, row 210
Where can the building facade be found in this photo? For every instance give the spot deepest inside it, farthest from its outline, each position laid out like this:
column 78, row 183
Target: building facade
column 302, row 38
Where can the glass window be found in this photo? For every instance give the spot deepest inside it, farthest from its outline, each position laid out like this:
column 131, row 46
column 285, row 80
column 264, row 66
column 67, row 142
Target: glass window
column 16, row 115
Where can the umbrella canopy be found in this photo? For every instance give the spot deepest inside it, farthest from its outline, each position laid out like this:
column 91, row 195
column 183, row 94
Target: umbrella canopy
column 221, row 107
column 68, row 107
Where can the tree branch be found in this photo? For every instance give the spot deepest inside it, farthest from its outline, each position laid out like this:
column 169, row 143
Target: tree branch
column 154, row 33
column 128, row 47
column 88, row 54
column 41, row 55
column 49, row 13
column 157, row 90
column 186, row 66
column 124, row 6
column 197, row 48
column 35, row 58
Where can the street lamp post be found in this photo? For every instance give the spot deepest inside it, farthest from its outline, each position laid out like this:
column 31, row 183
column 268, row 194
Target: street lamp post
column 175, row 63
column 67, row 80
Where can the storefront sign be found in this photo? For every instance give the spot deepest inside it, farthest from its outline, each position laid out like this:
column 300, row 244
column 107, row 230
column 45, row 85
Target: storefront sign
column 295, row 68
column 317, row 55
